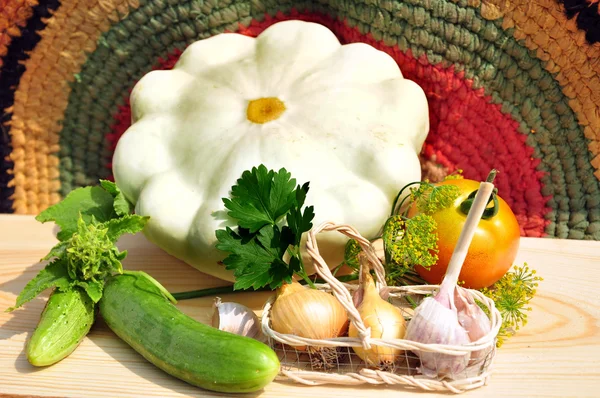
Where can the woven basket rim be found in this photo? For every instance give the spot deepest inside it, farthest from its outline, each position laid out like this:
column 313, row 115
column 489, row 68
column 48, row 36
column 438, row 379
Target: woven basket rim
column 396, row 292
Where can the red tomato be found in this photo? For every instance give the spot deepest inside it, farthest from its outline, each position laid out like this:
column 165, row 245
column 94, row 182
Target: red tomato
column 492, row 251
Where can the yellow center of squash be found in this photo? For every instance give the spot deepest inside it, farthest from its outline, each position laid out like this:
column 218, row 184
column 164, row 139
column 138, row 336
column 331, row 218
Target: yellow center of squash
column 264, row 110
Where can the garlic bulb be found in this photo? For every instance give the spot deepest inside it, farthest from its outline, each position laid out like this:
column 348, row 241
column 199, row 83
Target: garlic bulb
column 236, row 318
column 450, row 317
column 384, row 319
column 308, row 313
column 436, row 322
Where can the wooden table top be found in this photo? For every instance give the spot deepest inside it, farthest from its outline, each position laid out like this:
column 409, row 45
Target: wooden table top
column 556, row 355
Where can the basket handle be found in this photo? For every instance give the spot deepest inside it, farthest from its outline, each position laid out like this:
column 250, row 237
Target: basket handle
column 339, row 290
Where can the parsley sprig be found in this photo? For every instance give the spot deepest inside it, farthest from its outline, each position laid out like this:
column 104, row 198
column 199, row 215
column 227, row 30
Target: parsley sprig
column 268, row 209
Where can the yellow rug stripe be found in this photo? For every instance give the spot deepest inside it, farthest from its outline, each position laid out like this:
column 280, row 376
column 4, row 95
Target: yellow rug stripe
column 70, row 33
column 13, row 15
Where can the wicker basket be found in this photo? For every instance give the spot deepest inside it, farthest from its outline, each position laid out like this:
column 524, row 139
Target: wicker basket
column 345, row 367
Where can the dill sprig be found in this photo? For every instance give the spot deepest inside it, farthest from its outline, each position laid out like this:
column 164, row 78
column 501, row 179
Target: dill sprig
column 408, row 242
column 351, row 253
column 512, row 294
column 413, row 241
column 430, row 198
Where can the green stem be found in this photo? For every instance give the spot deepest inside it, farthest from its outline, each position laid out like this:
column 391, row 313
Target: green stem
column 343, row 278
column 385, row 236
column 213, row 291
column 409, row 299
column 400, row 194
column 306, row 278
column 411, row 280
column 402, row 204
column 336, row 269
column 302, row 273
column 465, row 206
column 414, row 278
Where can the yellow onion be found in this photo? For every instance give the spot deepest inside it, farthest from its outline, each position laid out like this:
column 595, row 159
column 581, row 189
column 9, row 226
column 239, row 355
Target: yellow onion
column 384, row 319
column 308, row 313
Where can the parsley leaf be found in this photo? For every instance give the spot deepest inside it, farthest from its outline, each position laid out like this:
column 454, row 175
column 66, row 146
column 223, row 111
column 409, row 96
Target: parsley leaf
column 300, row 222
column 297, row 220
column 256, row 259
column 257, row 250
column 261, row 197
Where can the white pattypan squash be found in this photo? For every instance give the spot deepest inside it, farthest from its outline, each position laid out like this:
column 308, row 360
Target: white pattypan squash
column 341, row 117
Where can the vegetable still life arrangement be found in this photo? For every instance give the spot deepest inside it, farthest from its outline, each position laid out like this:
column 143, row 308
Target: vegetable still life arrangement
column 408, row 286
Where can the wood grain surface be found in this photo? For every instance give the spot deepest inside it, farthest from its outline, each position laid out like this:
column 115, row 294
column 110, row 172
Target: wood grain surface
column 556, row 355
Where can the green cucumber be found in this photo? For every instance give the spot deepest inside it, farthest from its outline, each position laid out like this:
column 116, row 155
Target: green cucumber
column 65, row 321
column 135, row 307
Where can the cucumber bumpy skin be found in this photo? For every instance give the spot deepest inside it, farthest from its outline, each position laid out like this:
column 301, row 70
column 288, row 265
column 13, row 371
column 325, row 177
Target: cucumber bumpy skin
column 65, row 321
column 136, row 310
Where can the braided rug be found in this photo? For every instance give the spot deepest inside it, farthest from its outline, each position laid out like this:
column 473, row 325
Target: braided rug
column 513, row 85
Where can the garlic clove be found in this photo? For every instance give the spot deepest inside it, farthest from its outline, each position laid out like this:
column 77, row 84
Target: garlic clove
column 470, row 315
column 472, row 319
column 236, row 318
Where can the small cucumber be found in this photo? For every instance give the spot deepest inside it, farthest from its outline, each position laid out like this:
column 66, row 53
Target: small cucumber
column 135, row 308
column 65, row 321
